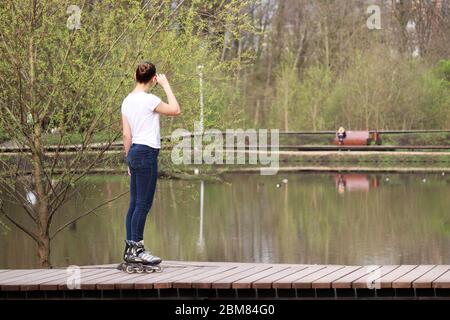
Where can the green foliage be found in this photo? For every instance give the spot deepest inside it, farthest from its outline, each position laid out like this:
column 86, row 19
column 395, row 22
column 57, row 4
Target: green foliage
column 433, row 100
column 82, row 76
column 286, row 99
column 384, row 91
column 443, row 70
column 3, row 135
column 385, row 79
column 314, row 95
column 422, row 139
column 378, row 90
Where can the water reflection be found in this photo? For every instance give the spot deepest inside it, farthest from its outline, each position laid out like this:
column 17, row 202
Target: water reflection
column 31, row 197
column 201, row 240
column 288, row 218
column 350, row 182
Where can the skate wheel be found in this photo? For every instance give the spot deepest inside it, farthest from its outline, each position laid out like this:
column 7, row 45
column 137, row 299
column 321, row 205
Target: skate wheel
column 157, row 269
column 129, row 269
column 140, row 269
column 149, row 269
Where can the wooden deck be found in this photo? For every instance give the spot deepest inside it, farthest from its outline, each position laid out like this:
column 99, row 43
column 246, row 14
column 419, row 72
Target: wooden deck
column 230, row 280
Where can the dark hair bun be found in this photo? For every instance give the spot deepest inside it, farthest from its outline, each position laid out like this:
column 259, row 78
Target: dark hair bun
column 145, row 72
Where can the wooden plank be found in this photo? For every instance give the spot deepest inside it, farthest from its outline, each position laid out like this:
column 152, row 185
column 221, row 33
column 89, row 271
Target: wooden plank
column 371, row 280
column 207, row 263
column 54, row 283
column 205, row 283
column 325, row 282
column 148, row 280
column 17, row 273
column 100, row 266
column 225, row 283
column 443, row 282
column 187, row 282
column 88, row 283
column 111, row 282
column 426, row 280
column 224, row 264
column 34, row 284
column 129, row 283
column 14, row 283
column 167, row 282
column 24, row 276
column 385, row 281
column 5, row 270
column 266, row 282
column 306, row 282
column 406, row 280
column 346, row 281
column 286, row 282
column 246, row 283
column 60, row 278
column 91, row 283
column 233, row 275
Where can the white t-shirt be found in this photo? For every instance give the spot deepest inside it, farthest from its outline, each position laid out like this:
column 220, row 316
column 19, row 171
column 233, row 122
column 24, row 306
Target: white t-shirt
column 139, row 108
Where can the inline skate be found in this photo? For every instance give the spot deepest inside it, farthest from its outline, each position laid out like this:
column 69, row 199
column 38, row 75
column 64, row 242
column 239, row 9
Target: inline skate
column 138, row 260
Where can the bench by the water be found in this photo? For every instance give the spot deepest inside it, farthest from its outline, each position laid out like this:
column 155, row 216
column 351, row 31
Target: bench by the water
column 229, row 280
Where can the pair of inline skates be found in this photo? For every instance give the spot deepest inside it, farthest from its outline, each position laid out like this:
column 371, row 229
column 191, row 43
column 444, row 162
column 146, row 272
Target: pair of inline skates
column 138, row 260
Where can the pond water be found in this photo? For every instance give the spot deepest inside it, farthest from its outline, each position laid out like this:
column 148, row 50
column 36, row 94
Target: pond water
column 288, row 218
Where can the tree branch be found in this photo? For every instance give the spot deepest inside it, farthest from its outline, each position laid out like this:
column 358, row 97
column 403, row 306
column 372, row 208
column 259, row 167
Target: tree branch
column 18, row 225
column 57, row 202
column 87, row 213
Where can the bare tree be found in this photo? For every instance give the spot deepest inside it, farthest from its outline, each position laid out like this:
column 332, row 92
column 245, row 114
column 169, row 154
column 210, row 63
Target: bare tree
column 55, row 78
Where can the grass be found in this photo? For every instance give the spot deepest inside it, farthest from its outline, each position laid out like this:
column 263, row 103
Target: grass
column 387, row 139
column 116, row 161
column 3, row 135
column 69, row 138
column 410, row 139
column 114, row 164
column 76, row 138
column 430, row 139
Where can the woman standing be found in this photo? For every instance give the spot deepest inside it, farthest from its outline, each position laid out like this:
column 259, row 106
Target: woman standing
column 141, row 140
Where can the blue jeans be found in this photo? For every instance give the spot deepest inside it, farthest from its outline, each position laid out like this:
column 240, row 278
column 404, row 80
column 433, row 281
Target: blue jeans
column 143, row 163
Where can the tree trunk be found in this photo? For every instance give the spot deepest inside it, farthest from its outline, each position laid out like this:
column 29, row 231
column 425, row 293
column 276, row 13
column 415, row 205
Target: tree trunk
column 327, row 45
column 286, row 106
column 43, row 219
column 314, row 116
column 269, row 80
column 44, row 250
column 226, row 39
column 255, row 123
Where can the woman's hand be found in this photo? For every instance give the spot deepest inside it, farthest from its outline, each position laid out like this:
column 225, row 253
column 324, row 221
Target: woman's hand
column 172, row 108
column 162, row 80
column 129, row 172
